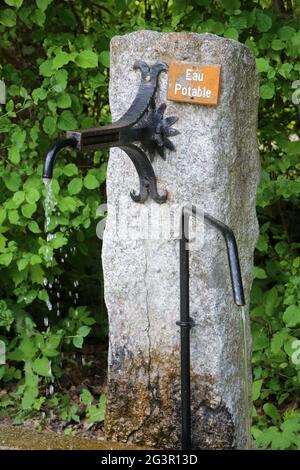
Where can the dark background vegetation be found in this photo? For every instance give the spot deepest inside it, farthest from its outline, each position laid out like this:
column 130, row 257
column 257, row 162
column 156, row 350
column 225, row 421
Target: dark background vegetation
column 54, row 59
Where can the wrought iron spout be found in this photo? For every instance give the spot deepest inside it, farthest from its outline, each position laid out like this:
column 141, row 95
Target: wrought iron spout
column 232, row 252
column 142, row 123
column 51, row 155
column 186, row 322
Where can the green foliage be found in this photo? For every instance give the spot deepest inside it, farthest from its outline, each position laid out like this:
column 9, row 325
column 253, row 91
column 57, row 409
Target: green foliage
column 55, row 71
column 54, row 61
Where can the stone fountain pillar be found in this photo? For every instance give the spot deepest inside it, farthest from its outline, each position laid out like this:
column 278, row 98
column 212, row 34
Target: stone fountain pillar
column 216, row 167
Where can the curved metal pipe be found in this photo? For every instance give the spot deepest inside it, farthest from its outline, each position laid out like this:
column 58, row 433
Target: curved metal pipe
column 51, row 155
column 186, row 322
column 232, row 253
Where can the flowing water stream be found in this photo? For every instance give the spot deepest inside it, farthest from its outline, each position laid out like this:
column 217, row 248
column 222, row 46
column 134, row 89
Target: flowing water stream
column 55, row 287
column 247, row 409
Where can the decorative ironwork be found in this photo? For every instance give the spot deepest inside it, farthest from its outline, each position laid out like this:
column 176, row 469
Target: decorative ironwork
column 142, row 122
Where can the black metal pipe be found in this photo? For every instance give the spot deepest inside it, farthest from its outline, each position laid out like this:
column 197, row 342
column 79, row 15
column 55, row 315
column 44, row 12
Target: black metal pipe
column 186, row 322
column 185, row 325
column 51, row 155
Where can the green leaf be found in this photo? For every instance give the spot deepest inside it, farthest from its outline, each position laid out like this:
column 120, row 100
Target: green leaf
column 28, row 348
column 296, row 39
column 37, row 274
column 28, row 209
column 78, row 341
column 90, row 182
column 14, row 155
column 12, row 181
column 231, row 33
column 285, row 70
column 39, row 94
column 280, row 441
column 277, row 45
column 70, row 169
column 291, row 316
column 63, row 101
column 272, row 412
column 6, row 258
column 67, row 204
column 105, row 58
column 83, row 331
column 33, row 227
column 58, row 241
column 265, row 438
column 66, row 121
column 14, row 3
column 29, row 397
column 46, row 68
column 32, row 195
column 13, row 217
column 259, row 273
column 96, row 414
column 256, row 388
column 42, row 367
column 263, row 21
column 291, row 425
column 49, row 125
column 262, row 64
column 51, row 346
column 86, row 397
column 35, row 259
column 59, row 80
column 61, row 59
column 43, row 4
column 18, row 198
column 277, row 342
column 8, row 17
column 231, row 5
column 271, row 301
column 75, row 186
column 22, row 263
column 87, row 59
column 286, row 32
column 267, row 91
column 18, row 136
column 38, row 17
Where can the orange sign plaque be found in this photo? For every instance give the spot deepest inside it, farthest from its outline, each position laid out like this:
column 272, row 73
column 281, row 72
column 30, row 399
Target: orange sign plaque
column 194, row 83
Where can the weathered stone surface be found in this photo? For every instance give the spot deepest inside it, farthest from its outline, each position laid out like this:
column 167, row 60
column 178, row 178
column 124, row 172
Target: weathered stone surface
column 215, row 167
column 25, row 438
